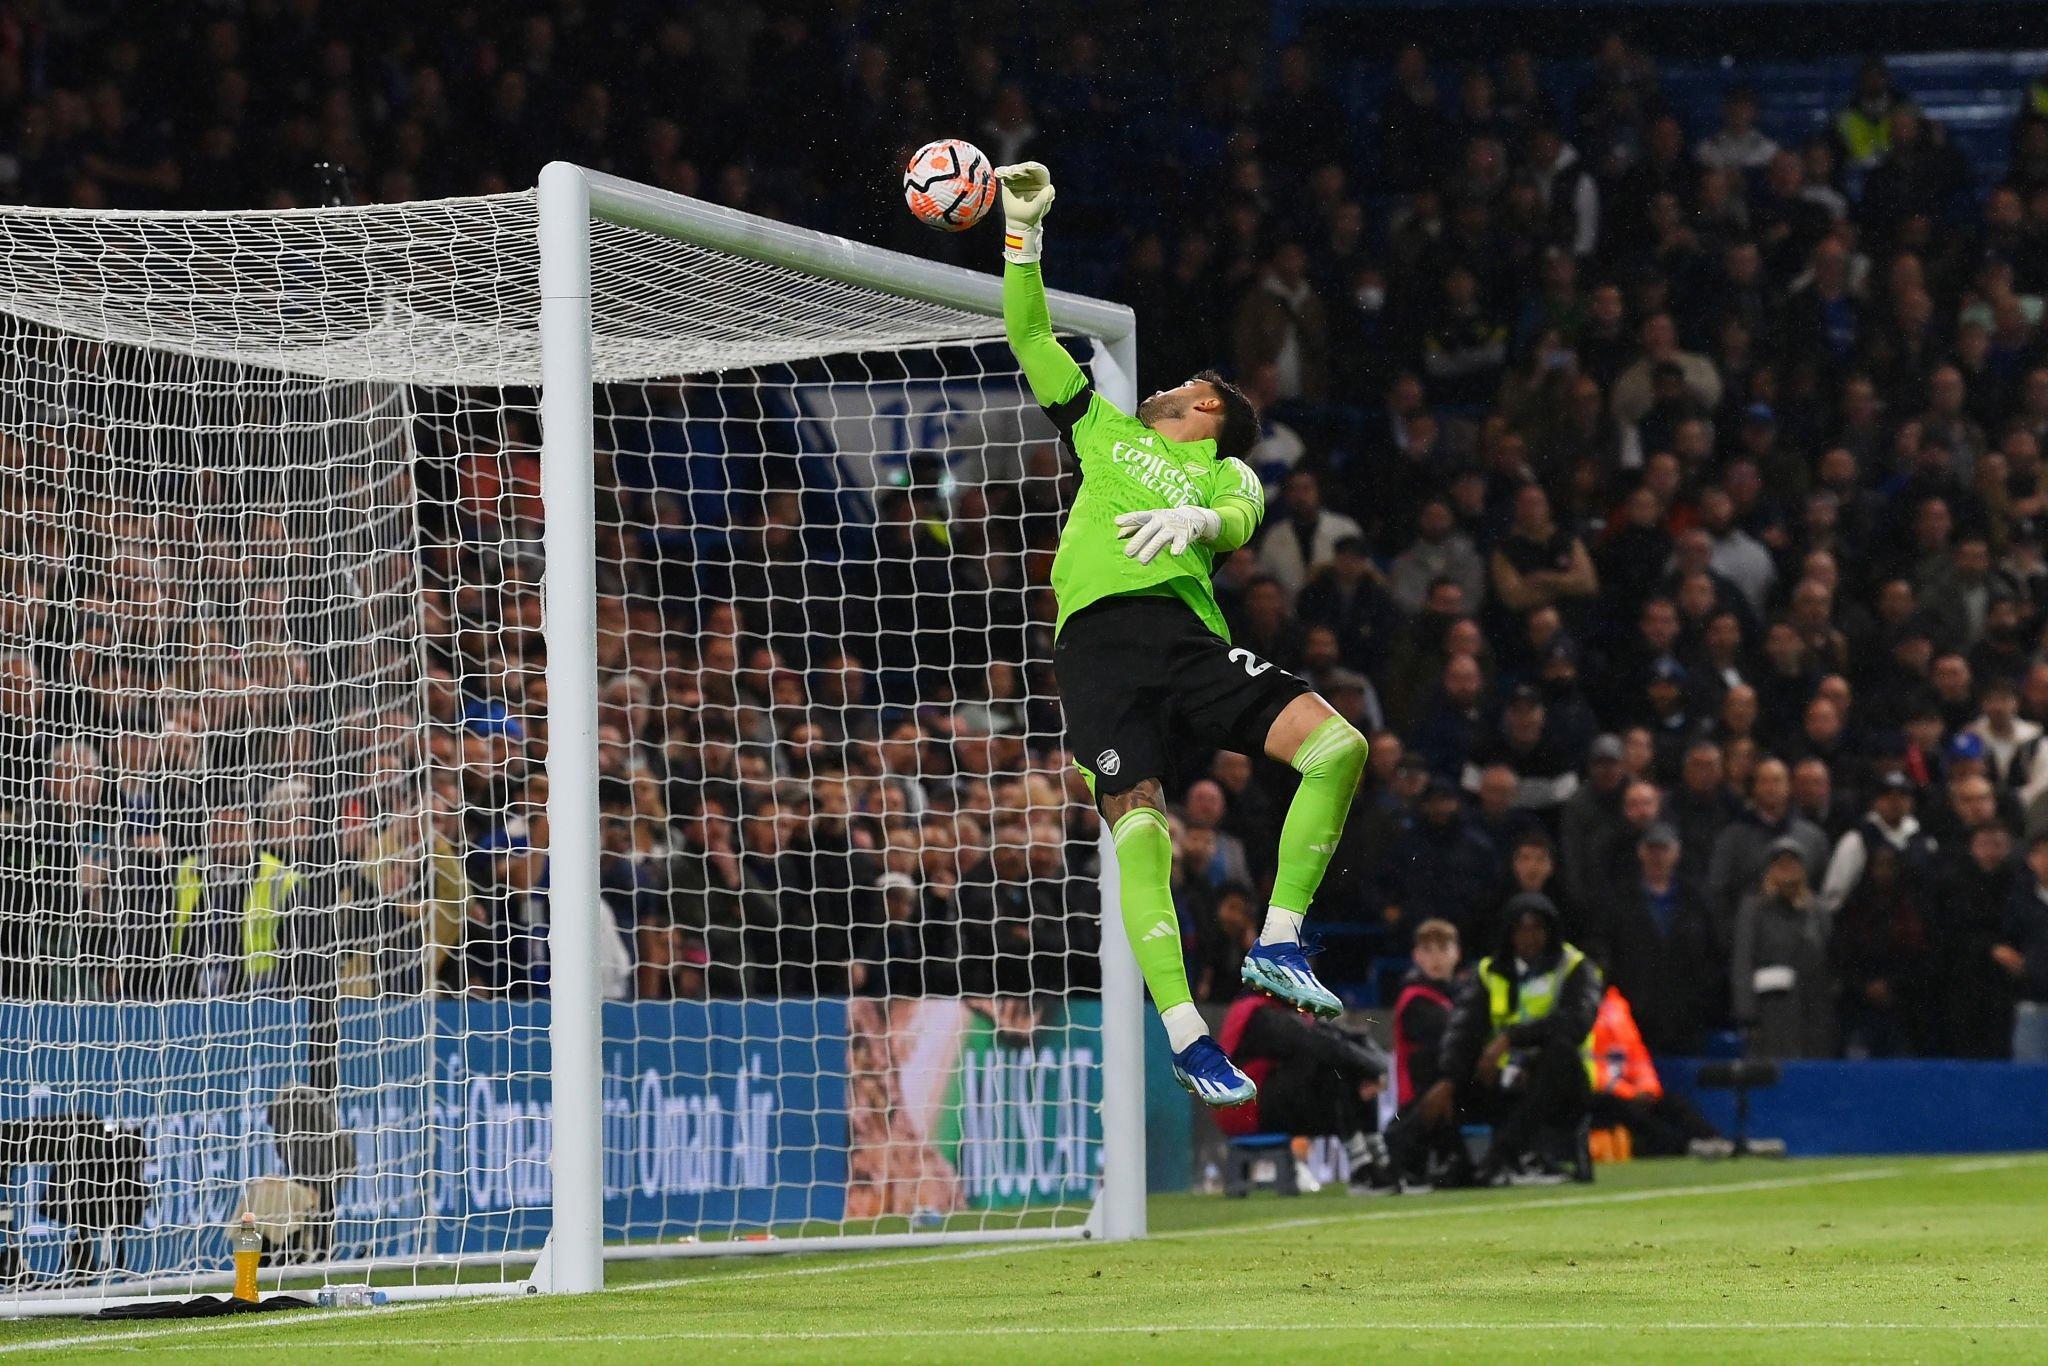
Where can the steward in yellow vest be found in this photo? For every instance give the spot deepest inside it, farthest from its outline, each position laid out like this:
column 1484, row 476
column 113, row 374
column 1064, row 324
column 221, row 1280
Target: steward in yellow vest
column 1863, row 130
column 265, row 895
column 1518, row 1051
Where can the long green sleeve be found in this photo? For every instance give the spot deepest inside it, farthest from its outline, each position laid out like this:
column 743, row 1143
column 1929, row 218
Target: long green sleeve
column 1240, row 519
column 1236, row 496
column 1051, row 372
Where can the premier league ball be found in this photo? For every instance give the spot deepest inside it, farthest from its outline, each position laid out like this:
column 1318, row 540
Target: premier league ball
column 949, row 185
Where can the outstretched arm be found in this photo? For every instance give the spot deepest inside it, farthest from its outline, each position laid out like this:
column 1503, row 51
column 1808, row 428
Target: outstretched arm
column 1051, row 372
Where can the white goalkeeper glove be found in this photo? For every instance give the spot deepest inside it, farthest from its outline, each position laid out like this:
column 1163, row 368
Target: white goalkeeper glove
column 1027, row 194
column 1174, row 529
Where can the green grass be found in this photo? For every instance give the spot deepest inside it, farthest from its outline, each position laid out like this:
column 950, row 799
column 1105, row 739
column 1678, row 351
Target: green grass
column 1931, row 1259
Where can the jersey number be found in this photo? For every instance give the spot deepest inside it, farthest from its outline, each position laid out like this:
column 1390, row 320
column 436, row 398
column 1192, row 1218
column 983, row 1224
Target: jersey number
column 1253, row 665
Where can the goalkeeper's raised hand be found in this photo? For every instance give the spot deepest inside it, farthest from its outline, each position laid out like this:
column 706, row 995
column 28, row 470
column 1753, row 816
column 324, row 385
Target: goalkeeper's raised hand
column 1027, row 194
column 1169, row 529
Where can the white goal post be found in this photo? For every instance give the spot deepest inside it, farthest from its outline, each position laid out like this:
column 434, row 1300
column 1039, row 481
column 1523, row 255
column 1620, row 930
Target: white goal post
column 526, row 739
column 571, row 199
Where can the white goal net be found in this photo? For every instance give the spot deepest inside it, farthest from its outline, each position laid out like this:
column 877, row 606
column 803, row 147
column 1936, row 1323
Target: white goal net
column 284, row 926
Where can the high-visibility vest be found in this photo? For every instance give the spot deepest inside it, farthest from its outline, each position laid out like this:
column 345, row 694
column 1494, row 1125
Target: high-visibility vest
column 1624, row 1063
column 1537, row 999
column 262, row 906
column 1865, row 138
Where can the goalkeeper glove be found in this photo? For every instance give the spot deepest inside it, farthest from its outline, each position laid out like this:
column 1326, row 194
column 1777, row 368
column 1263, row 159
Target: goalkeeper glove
column 1173, row 528
column 1027, row 194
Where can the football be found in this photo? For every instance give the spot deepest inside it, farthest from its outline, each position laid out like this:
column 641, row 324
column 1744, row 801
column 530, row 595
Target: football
column 949, row 185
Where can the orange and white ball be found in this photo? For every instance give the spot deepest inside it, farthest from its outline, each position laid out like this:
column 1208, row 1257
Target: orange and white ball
column 949, row 185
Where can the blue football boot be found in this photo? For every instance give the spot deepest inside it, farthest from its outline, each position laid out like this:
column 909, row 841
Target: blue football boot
column 1210, row 1076
column 1282, row 970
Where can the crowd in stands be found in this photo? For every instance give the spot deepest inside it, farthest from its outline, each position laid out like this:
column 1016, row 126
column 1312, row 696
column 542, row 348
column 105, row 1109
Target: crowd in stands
column 1668, row 505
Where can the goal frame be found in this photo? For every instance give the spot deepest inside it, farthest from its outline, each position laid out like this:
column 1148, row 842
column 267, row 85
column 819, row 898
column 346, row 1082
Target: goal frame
column 571, row 199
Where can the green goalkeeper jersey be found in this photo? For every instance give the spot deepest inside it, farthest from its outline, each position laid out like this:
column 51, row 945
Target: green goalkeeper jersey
column 1125, row 467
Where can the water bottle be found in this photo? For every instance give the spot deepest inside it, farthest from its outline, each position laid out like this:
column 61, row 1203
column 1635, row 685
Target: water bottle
column 248, row 1258
column 349, row 1297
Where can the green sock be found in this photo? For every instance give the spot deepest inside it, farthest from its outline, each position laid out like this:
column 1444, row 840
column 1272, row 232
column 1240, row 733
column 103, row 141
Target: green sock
column 1330, row 762
column 1144, row 861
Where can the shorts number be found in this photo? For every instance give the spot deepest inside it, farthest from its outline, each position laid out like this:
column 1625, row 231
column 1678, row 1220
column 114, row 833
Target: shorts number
column 1253, row 665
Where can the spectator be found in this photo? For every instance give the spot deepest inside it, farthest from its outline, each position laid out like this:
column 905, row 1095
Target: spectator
column 1464, row 347
column 1589, row 820
column 1737, row 556
column 1303, row 540
column 1889, row 823
column 1283, row 324
column 1568, row 191
column 1658, row 945
column 1737, row 145
column 1347, row 597
column 1206, row 808
column 1539, row 564
column 1975, row 1010
column 1441, row 868
column 1882, row 955
column 1634, row 390
column 1269, row 628
column 1544, row 774
column 2022, row 951
column 1224, row 942
column 1744, row 849
column 1440, row 553
column 1451, row 731
column 1778, row 968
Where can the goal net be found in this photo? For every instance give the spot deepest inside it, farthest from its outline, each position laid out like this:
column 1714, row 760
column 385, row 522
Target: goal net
column 465, row 892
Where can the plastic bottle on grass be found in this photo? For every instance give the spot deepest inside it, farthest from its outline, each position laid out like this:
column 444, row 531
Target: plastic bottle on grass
column 349, row 1297
column 248, row 1259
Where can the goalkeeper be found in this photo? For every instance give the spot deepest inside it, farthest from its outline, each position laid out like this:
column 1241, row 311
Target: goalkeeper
column 1142, row 648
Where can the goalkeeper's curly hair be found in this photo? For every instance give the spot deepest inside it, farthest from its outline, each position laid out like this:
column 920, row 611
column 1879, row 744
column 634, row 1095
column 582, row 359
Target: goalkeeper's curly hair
column 1240, row 430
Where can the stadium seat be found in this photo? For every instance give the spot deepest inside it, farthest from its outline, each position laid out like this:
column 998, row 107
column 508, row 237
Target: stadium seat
column 1241, row 1162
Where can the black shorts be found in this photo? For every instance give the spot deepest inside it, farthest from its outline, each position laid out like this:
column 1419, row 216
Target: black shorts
column 1139, row 676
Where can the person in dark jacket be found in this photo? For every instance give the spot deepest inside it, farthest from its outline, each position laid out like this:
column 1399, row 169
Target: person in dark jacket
column 1590, row 819
column 2023, row 953
column 1440, row 867
column 1883, row 956
column 1516, row 1051
column 1974, row 993
column 1314, row 1077
column 1655, row 940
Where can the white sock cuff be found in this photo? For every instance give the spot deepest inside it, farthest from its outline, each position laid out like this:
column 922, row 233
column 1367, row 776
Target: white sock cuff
column 1281, row 927
column 1184, row 1025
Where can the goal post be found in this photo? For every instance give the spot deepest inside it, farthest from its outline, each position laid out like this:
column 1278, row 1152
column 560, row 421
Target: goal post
column 529, row 741
column 571, row 198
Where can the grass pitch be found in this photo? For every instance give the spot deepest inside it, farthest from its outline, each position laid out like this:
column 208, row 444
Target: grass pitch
column 1897, row 1259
